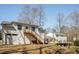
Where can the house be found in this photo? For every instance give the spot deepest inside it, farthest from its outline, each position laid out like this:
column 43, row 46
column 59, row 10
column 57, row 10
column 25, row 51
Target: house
column 61, row 38
column 20, row 33
column 50, row 37
column 56, row 38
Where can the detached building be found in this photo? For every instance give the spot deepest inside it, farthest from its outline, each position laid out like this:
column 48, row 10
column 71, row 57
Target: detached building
column 56, row 38
column 20, row 33
column 61, row 38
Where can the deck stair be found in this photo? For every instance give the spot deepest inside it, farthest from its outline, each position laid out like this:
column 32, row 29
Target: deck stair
column 33, row 35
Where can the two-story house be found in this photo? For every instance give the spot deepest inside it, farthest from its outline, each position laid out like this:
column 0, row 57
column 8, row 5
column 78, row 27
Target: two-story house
column 20, row 33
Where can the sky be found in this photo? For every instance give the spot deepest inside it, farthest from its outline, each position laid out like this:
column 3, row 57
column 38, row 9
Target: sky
column 10, row 12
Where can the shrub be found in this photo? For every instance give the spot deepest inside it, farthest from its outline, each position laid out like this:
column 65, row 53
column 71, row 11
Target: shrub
column 76, row 42
column 0, row 35
column 77, row 50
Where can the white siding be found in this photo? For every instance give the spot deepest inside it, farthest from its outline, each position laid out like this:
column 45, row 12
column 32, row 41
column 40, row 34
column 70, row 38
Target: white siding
column 37, row 31
column 3, row 38
column 62, row 39
column 20, row 37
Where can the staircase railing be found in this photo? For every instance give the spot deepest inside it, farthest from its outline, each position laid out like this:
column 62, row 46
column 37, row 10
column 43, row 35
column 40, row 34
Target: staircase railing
column 35, row 34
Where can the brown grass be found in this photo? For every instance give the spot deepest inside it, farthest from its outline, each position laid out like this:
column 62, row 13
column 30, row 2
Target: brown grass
column 36, row 49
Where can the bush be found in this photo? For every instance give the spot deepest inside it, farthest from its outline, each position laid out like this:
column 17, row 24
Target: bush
column 77, row 50
column 0, row 35
column 76, row 42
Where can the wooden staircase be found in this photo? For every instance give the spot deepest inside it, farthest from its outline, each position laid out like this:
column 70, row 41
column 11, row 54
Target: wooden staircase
column 33, row 36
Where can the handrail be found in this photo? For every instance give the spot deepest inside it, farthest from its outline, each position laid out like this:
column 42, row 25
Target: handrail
column 40, row 38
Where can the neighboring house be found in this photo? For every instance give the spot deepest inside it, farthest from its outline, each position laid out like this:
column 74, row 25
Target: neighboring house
column 61, row 38
column 20, row 33
column 50, row 37
column 56, row 38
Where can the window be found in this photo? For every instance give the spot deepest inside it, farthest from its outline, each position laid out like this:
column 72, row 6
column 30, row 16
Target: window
column 20, row 27
column 33, row 28
column 26, row 27
column 12, row 34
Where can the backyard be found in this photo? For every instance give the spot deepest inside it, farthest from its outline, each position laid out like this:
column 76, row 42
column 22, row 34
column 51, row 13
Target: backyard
column 38, row 49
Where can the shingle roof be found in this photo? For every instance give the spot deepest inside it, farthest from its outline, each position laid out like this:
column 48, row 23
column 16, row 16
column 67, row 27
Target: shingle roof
column 24, row 23
column 14, row 22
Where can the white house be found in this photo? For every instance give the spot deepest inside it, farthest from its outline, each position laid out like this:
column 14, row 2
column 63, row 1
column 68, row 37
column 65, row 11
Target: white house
column 56, row 38
column 20, row 33
column 62, row 38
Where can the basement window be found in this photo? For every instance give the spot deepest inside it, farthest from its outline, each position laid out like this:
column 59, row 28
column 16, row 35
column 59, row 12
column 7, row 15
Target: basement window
column 20, row 27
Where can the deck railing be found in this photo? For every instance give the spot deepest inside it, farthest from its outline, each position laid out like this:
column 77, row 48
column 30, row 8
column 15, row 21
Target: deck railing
column 35, row 34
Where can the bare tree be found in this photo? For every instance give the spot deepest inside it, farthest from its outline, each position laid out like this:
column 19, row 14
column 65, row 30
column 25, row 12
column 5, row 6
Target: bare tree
column 33, row 15
column 69, row 25
column 72, row 23
column 41, row 15
column 24, row 16
column 75, row 19
column 60, row 22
